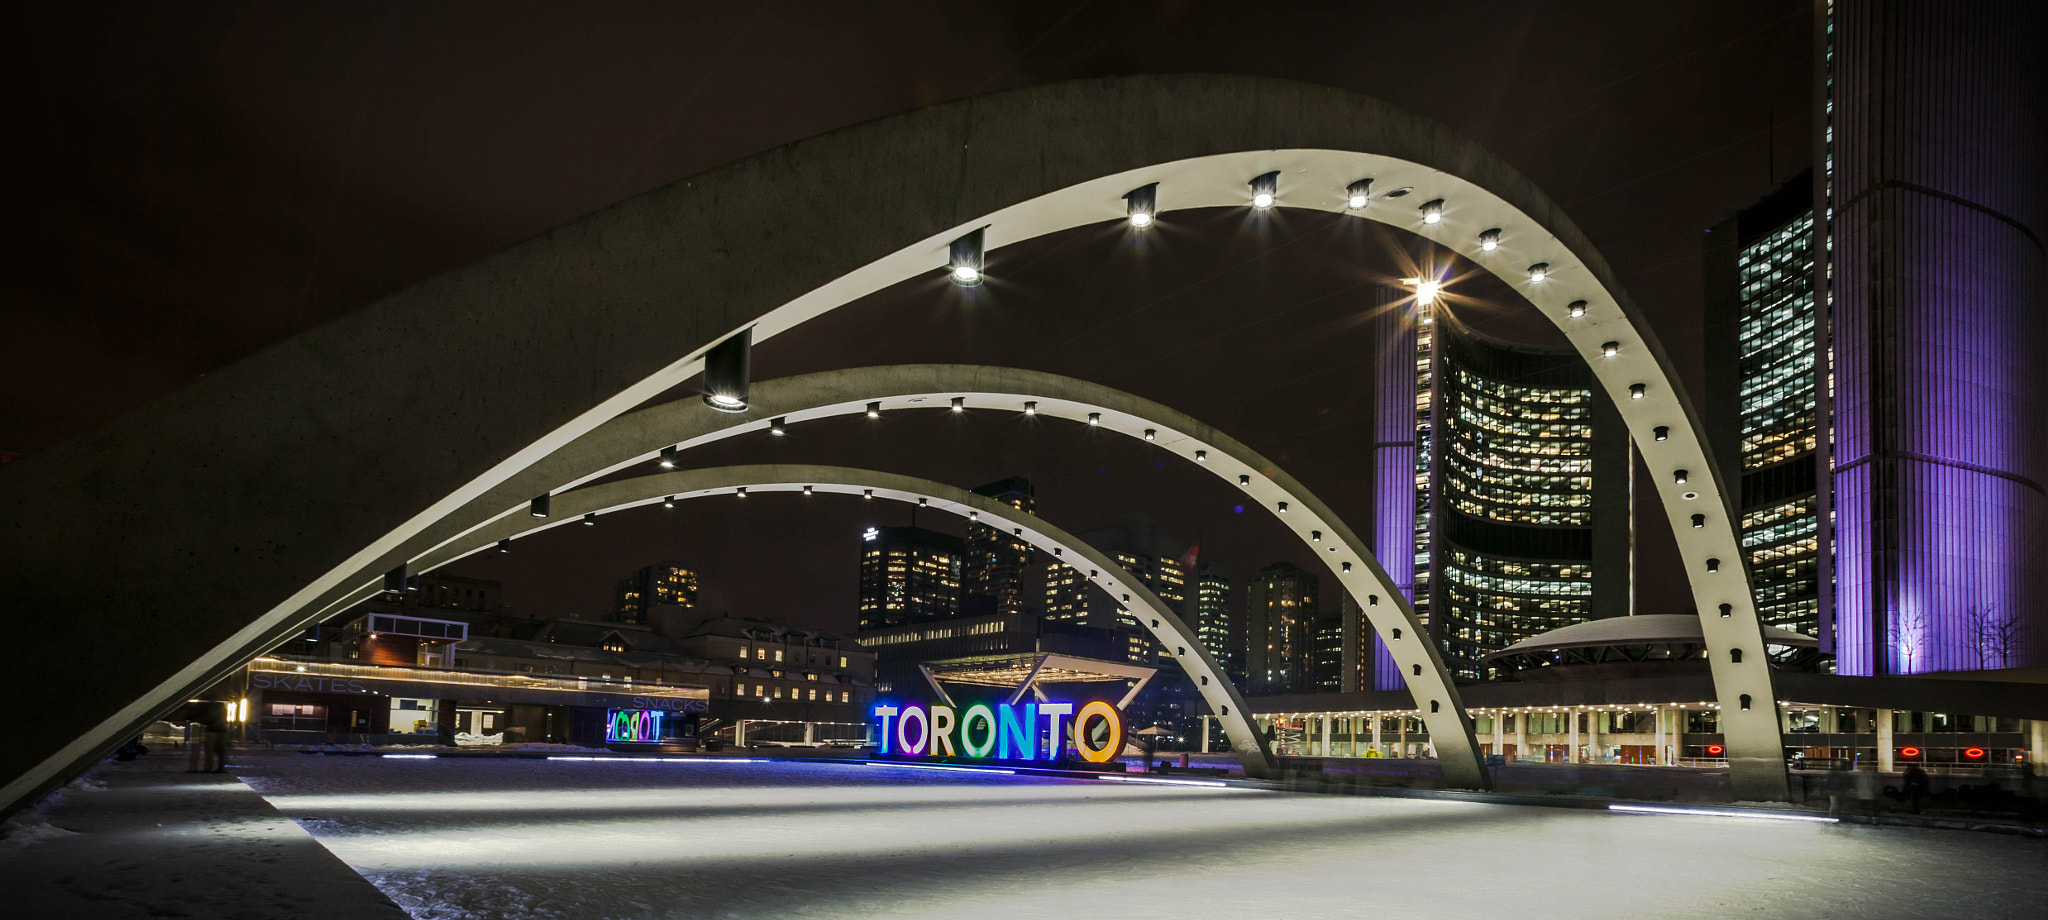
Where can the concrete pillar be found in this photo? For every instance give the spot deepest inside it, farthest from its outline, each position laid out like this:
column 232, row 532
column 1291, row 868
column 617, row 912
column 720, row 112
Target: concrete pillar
column 739, row 733
column 1402, row 739
column 1593, row 748
column 1521, row 735
column 1205, row 733
column 2037, row 748
column 1571, row 736
column 1326, row 735
column 1376, row 735
column 810, row 733
column 1884, row 741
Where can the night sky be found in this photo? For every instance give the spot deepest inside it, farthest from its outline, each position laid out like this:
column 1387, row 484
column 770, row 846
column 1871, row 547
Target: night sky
column 186, row 186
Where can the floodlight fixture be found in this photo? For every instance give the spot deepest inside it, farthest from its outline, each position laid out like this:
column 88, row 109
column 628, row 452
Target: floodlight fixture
column 1141, row 205
column 965, row 259
column 1358, row 195
column 1265, row 189
column 726, row 370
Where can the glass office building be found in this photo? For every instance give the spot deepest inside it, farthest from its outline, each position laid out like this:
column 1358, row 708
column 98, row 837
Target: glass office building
column 1494, row 461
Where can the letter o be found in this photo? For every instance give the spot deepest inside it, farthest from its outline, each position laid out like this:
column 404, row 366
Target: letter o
column 924, row 730
column 988, row 718
column 1113, row 746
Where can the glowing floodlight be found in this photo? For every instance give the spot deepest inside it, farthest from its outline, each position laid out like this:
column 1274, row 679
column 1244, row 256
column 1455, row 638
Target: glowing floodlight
column 1141, row 205
column 726, row 369
column 965, row 257
column 1358, row 195
column 1265, row 189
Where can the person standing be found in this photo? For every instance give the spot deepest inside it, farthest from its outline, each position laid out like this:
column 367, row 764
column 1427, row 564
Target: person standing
column 1866, row 792
column 212, row 755
column 1916, row 785
column 1838, row 787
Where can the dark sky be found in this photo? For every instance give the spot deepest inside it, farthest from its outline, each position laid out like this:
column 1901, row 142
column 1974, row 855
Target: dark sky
column 188, row 185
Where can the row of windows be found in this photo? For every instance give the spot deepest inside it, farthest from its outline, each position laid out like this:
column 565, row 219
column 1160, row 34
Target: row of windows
column 804, row 694
column 1473, row 383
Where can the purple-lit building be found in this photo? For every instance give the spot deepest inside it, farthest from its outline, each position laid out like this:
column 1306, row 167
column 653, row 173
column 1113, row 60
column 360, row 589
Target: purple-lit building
column 1929, row 348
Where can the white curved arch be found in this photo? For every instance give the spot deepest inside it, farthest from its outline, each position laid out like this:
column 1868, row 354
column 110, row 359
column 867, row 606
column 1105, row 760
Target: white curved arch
column 1151, row 612
column 578, row 326
column 637, row 437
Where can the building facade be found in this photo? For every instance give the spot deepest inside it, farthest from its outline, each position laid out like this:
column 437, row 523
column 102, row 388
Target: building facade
column 1503, row 489
column 996, row 564
column 1217, row 618
column 908, row 575
column 1280, row 609
column 1763, row 344
column 667, row 582
column 1934, row 202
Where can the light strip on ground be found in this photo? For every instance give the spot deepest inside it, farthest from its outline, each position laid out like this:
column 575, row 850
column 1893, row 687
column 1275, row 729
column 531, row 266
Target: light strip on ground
column 628, row 759
column 407, row 756
column 938, row 766
column 1708, row 813
column 1163, row 782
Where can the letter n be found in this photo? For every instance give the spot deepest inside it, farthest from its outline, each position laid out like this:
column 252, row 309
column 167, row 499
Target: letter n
column 1023, row 732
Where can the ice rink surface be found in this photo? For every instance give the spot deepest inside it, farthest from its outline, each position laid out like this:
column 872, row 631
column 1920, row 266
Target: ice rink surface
column 584, row 839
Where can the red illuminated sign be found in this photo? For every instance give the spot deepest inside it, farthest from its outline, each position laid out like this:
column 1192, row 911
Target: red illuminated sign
column 1910, row 752
column 1714, row 750
column 1973, row 753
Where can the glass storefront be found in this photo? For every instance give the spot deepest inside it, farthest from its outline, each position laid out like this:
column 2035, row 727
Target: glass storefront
column 414, row 716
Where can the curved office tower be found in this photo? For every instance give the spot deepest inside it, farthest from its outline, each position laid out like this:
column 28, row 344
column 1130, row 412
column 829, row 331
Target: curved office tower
column 1932, row 152
column 1493, row 461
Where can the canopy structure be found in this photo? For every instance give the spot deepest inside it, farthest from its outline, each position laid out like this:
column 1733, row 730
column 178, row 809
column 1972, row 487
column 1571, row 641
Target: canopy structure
column 1633, row 645
column 1025, row 672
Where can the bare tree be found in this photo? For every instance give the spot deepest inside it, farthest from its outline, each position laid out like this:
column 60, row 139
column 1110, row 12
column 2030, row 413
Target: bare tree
column 1910, row 634
column 1994, row 641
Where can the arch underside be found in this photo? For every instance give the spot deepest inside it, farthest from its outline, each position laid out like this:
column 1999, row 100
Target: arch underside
column 1152, row 612
column 305, row 464
column 638, row 437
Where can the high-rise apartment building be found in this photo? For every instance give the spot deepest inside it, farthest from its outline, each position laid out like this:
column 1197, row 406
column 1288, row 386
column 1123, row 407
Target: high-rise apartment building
column 1071, row 597
column 667, row 582
column 908, row 575
column 1326, row 654
column 1145, row 553
column 1280, row 608
column 1217, row 620
column 1503, row 487
column 996, row 562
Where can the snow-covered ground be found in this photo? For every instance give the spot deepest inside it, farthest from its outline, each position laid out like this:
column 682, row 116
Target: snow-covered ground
column 590, row 839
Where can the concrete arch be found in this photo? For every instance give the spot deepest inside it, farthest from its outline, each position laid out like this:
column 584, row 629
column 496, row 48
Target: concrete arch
column 1151, row 611
column 637, row 437
column 378, row 424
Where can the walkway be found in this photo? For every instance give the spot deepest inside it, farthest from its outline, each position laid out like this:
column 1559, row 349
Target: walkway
column 145, row 839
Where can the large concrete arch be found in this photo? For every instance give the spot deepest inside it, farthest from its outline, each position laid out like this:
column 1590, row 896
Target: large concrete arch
column 1151, row 611
column 276, row 479
column 638, row 436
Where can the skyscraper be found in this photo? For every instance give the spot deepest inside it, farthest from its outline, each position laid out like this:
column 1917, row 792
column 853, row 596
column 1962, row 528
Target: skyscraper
column 1762, row 339
column 661, row 583
column 1495, row 461
column 1934, row 201
column 908, row 575
column 995, row 563
column 1216, row 618
column 1326, row 653
column 1280, row 606
column 1875, row 375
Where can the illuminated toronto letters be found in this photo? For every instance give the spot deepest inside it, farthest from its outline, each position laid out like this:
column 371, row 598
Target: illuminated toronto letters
column 636, row 726
column 999, row 731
